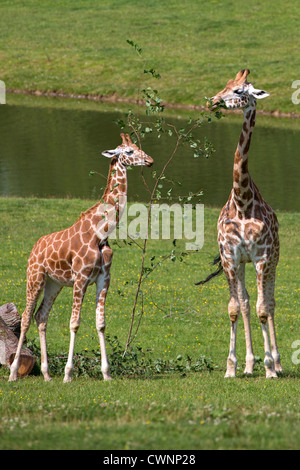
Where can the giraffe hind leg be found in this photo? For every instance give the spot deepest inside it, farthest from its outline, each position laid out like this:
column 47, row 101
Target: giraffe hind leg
column 265, row 310
column 34, row 290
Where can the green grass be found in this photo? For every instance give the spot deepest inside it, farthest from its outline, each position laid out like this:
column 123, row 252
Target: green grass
column 159, row 407
column 79, row 46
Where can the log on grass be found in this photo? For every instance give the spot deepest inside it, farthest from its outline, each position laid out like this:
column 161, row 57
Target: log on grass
column 8, row 347
column 11, row 317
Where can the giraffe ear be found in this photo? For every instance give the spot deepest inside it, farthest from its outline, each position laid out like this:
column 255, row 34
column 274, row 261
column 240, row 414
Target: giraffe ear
column 111, row 153
column 258, row 94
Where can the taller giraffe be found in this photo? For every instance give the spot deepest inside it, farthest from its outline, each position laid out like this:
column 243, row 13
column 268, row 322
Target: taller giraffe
column 248, row 232
column 79, row 256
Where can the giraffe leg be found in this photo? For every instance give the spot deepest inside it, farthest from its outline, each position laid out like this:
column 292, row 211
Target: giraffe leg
column 245, row 309
column 275, row 353
column 52, row 290
column 265, row 309
column 234, row 311
column 103, row 281
column 34, row 289
column 79, row 290
column 270, row 286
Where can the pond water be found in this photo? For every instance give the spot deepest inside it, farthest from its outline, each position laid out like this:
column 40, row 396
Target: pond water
column 49, row 152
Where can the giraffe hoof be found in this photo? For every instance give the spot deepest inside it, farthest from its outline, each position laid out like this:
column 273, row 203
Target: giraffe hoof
column 12, row 378
column 248, row 373
column 229, row 374
column 271, row 374
column 107, row 377
column 231, row 367
column 67, row 380
column 48, row 378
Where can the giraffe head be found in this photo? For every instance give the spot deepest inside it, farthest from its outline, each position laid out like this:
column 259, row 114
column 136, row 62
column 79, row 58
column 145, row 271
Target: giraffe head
column 238, row 93
column 129, row 154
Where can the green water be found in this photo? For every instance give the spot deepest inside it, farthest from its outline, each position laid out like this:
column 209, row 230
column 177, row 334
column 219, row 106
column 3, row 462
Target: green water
column 49, row 152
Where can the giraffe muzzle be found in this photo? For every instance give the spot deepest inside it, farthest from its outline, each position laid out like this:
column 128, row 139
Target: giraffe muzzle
column 149, row 161
column 213, row 103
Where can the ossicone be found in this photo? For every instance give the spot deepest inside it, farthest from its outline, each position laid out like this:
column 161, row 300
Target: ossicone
column 241, row 76
column 125, row 139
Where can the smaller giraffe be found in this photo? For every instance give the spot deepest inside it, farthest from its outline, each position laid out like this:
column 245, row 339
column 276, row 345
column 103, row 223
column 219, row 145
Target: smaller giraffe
column 248, row 232
column 77, row 257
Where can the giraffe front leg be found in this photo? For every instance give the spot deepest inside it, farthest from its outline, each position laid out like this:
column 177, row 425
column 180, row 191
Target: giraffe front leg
column 102, row 288
column 78, row 296
column 102, row 284
column 69, row 365
column 270, row 287
column 275, row 352
column 231, row 359
column 268, row 360
column 245, row 309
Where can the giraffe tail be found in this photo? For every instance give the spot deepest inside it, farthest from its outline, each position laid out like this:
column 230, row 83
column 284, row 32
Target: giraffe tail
column 217, row 260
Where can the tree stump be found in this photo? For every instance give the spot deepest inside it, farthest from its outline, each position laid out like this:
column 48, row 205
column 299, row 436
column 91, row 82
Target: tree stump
column 10, row 324
column 11, row 317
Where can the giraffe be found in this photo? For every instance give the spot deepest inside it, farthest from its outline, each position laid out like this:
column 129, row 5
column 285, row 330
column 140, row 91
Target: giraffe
column 78, row 257
column 248, row 232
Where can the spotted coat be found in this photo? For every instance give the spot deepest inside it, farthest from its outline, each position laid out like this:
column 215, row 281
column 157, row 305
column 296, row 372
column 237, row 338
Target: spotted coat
column 248, row 232
column 77, row 257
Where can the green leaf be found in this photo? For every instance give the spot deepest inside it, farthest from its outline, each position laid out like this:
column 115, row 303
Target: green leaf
column 153, row 73
column 137, row 48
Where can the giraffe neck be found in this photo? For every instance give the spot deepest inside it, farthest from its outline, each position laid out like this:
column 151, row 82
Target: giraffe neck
column 108, row 211
column 242, row 186
column 116, row 187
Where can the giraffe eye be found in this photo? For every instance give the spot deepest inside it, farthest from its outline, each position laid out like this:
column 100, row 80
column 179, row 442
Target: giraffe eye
column 238, row 91
column 129, row 152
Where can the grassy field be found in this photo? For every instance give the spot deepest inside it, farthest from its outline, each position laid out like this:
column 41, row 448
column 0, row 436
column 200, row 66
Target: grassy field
column 79, row 47
column 170, row 393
